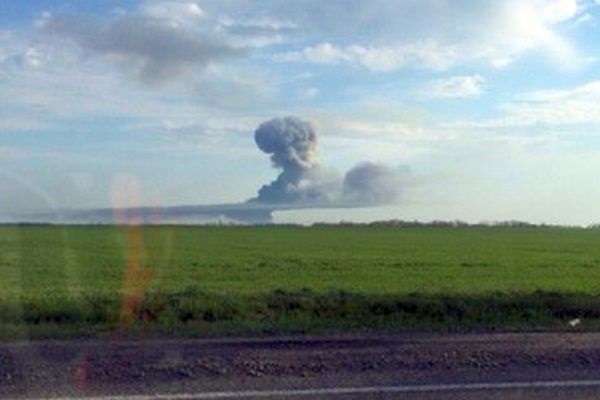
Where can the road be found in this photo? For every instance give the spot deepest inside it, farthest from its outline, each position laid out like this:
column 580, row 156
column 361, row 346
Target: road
column 406, row 366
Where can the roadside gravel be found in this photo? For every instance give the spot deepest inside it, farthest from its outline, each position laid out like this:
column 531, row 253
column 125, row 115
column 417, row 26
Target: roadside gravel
column 122, row 366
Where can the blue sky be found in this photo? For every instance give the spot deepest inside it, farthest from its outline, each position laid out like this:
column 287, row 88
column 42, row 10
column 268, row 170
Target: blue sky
column 493, row 107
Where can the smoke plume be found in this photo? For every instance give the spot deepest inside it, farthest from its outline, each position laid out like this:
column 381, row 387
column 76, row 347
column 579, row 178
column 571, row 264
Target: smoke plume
column 292, row 144
column 372, row 184
column 302, row 183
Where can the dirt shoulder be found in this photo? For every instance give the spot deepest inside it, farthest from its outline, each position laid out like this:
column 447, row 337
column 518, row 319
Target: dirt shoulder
column 124, row 366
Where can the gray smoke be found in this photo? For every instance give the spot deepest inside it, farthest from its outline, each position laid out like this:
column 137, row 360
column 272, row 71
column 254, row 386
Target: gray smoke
column 292, row 144
column 372, row 184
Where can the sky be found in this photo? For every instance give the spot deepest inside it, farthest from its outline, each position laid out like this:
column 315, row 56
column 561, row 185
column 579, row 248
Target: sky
column 493, row 107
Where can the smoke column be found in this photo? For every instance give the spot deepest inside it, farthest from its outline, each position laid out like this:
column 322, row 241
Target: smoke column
column 292, row 144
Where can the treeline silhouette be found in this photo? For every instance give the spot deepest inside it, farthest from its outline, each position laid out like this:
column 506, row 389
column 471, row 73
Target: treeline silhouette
column 452, row 224
column 399, row 223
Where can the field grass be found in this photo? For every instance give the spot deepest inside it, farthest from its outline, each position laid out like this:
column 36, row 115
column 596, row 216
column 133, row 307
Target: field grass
column 59, row 280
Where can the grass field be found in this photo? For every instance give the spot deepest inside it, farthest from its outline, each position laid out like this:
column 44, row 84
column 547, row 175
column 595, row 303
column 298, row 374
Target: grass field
column 57, row 281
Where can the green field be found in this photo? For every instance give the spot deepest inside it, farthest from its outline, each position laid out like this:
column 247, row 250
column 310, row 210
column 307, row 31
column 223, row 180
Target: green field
column 59, row 281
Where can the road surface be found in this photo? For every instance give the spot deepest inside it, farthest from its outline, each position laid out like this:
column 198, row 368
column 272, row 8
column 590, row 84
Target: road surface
column 407, row 366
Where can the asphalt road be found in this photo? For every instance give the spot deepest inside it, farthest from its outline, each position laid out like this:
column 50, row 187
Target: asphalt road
column 409, row 366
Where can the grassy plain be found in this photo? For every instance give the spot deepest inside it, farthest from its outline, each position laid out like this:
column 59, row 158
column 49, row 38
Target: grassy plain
column 73, row 280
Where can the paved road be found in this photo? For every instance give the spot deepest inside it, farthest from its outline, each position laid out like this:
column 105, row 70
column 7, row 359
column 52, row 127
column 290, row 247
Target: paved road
column 491, row 366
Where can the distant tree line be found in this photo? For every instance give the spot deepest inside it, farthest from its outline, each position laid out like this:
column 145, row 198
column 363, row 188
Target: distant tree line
column 399, row 223
column 452, row 224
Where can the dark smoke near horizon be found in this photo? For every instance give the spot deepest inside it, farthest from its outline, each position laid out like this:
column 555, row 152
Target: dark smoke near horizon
column 292, row 144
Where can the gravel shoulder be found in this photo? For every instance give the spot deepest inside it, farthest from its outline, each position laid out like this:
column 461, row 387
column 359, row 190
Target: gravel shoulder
column 125, row 366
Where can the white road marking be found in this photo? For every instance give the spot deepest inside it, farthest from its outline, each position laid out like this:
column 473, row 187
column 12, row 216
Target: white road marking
column 349, row 390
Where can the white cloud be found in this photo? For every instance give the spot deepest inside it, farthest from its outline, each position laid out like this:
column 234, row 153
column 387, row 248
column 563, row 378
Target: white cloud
column 68, row 92
column 578, row 105
column 33, row 57
column 145, row 47
column 324, row 53
column 530, row 22
column 264, row 22
column 254, row 32
column 557, row 10
column 308, row 93
column 436, row 34
column 255, row 41
column 426, row 54
column 584, row 19
column 454, row 87
column 174, row 13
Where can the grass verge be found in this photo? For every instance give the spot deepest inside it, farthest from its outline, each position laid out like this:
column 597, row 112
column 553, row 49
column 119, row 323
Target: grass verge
column 194, row 313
